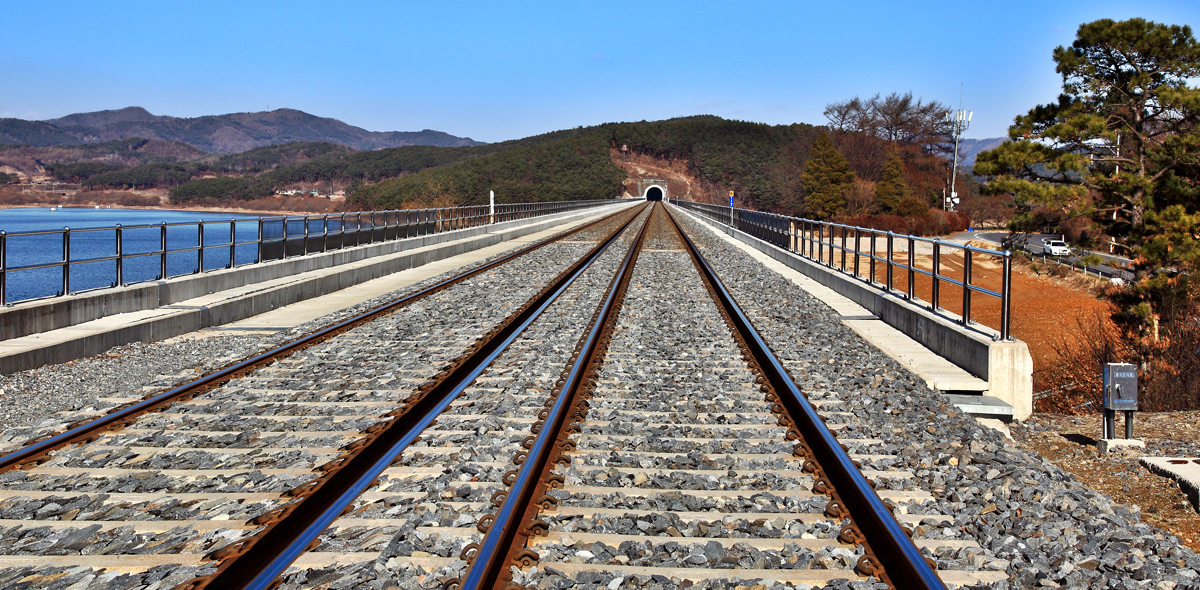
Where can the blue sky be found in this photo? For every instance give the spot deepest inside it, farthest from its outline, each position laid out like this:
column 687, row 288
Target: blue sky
column 502, row 70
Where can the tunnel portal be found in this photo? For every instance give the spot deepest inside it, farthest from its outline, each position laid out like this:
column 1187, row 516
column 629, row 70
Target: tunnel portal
column 654, row 194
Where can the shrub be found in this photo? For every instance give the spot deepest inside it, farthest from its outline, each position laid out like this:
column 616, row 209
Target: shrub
column 934, row 223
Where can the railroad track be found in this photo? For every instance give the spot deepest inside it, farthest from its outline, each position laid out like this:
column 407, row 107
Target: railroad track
column 654, row 436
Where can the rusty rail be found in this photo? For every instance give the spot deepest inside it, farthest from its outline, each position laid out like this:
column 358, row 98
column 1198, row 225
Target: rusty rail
column 891, row 555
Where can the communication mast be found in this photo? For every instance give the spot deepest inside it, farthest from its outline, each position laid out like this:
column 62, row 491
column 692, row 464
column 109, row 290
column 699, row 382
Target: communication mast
column 959, row 121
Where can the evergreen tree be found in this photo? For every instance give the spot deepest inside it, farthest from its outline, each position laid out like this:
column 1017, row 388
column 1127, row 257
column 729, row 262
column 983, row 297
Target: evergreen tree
column 1121, row 144
column 1125, row 129
column 892, row 190
column 825, row 178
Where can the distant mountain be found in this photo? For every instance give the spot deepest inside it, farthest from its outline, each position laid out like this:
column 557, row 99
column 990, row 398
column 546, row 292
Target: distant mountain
column 969, row 148
column 34, row 133
column 221, row 134
column 102, row 118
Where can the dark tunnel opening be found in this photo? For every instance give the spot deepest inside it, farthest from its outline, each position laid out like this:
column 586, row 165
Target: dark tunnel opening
column 654, row 194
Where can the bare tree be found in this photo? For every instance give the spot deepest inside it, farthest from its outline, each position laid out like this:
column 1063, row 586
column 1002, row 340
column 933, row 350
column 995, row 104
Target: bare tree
column 896, row 118
column 860, row 198
column 852, row 115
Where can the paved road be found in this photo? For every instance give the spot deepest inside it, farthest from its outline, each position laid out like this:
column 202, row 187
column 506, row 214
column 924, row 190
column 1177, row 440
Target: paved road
column 1114, row 265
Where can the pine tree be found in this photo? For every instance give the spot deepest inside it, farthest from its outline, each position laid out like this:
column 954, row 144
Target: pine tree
column 892, row 190
column 825, row 177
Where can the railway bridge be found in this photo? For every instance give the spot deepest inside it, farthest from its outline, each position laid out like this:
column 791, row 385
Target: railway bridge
column 632, row 394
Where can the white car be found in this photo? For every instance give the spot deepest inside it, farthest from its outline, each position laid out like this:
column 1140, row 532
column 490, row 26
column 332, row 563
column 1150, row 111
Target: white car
column 1056, row 247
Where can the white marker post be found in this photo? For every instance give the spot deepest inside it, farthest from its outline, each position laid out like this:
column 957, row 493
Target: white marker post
column 491, row 206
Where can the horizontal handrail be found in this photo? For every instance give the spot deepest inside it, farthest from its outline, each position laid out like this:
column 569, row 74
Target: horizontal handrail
column 274, row 237
column 826, row 243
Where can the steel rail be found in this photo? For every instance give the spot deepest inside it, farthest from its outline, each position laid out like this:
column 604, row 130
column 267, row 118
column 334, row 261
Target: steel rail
column 897, row 560
column 36, row 449
column 515, row 519
column 255, row 563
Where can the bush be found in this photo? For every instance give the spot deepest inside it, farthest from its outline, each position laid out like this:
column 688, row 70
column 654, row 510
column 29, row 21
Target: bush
column 1168, row 380
column 934, row 223
column 16, row 197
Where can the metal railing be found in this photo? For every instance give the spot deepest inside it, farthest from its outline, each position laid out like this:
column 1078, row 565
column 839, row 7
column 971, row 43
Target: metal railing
column 1122, row 275
column 840, row 247
column 123, row 255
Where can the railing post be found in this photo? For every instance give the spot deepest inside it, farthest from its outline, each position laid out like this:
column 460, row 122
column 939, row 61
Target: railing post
column 162, row 251
column 285, row 237
column 792, row 235
column 843, row 248
column 66, row 261
column 872, row 257
column 814, row 241
column 306, row 234
column 937, row 268
column 1006, row 296
column 820, row 243
column 3, row 267
column 857, row 245
column 966, row 304
column 232, row 243
column 200, row 247
column 912, row 262
column 260, row 240
column 120, row 259
column 325, row 233
column 890, row 256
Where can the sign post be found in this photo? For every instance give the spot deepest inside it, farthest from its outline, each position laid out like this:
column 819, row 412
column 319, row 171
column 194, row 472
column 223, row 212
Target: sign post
column 730, row 208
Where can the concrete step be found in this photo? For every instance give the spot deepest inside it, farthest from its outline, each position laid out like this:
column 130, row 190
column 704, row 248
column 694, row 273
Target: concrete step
column 981, row 406
column 1185, row 470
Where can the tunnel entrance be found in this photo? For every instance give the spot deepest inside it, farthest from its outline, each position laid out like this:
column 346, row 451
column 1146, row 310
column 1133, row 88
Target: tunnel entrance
column 653, row 189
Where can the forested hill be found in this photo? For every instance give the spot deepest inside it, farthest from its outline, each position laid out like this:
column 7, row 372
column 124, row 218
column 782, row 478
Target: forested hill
column 756, row 160
column 218, row 134
column 969, row 148
column 764, row 165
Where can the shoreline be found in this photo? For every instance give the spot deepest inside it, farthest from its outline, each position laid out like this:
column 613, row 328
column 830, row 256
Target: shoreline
column 157, row 200
column 261, row 212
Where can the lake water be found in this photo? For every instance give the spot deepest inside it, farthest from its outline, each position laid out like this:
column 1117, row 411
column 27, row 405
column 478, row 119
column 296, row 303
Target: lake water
column 46, row 248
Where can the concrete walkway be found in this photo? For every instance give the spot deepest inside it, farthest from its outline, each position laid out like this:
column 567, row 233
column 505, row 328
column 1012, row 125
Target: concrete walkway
column 286, row 318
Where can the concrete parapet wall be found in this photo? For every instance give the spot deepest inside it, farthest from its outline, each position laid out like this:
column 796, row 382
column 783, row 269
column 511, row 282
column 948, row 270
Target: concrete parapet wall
column 1006, row 366
column 36, row 317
